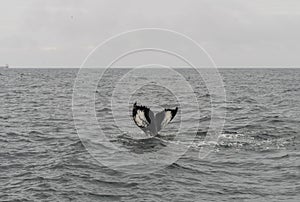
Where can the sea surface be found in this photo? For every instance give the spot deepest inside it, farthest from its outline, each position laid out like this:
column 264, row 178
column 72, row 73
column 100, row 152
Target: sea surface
column 54, row 148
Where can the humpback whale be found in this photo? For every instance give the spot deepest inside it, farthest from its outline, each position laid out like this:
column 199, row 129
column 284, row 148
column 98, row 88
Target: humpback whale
column 151, row 124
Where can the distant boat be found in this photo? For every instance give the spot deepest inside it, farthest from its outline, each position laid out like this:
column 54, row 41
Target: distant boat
column 5, row 66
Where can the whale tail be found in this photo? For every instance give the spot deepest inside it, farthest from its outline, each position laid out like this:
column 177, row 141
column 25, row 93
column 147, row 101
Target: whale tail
column 144, row 118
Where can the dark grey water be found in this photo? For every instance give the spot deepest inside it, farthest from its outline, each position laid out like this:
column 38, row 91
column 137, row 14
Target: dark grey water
column 257, row 157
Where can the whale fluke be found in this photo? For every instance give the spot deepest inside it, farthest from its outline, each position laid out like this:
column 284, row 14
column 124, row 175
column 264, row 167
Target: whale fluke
column 144, row 118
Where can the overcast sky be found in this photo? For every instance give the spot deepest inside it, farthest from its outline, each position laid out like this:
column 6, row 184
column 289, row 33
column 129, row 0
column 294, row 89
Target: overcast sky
column 244, row 33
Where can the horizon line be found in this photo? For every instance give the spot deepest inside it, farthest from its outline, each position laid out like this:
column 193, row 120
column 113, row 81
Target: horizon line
column 128, row 66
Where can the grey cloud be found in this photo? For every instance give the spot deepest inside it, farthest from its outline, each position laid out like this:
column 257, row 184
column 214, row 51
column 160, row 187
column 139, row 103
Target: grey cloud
column 234, row 32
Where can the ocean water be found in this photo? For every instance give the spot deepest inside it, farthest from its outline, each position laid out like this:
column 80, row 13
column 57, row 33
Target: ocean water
column 52, row 150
